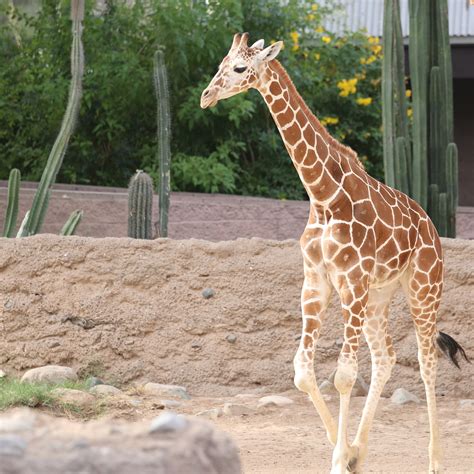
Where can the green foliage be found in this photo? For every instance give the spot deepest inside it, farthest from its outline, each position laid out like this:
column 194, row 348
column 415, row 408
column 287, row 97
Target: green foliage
column 236, row 142
column 71, row 224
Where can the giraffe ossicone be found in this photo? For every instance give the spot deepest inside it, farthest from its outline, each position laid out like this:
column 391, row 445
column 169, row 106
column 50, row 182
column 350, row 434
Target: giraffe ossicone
column 362, row 239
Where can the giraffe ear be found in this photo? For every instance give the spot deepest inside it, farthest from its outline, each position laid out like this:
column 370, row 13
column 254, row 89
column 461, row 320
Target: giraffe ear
column 271, row 52
column 258, row 44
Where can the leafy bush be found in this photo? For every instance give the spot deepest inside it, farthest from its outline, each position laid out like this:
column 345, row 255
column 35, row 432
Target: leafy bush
column 232, row 148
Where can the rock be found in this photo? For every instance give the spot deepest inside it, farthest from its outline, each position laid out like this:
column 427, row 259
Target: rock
column 401, row 396
column 360, row 388
column 74, row 397
column 2, row 374
column 20, row 419
column 328, row 388
column 211, row 414
column 168, row 421
column 60, row 446
column 49, row 374
column 93, row 381
column 275, row 400
column 207, row 293
column 163, row 390
column 234, row 409
column 12, row 445
column 196, row 345
column 105, row 390
column 171, row 403
column 466, row 403
column 231, row 338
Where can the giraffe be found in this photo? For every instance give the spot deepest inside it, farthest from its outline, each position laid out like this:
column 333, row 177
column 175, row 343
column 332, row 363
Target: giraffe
column 363, row 239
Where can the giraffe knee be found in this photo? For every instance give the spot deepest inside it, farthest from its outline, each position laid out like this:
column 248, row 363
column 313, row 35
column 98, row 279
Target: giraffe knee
column 345, row 376
column 304, row 378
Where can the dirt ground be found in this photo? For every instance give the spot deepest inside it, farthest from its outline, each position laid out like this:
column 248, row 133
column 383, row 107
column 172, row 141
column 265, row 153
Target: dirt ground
column 133, row 311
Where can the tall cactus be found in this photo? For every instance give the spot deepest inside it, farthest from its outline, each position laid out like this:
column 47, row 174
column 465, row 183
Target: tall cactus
column 12, row 203
column 426, row 168
column 55, row 159
column 140, row 206
column 71, row 224
column 160, row 77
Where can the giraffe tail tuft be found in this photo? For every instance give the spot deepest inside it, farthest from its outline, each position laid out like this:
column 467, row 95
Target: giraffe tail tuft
column 451, row 348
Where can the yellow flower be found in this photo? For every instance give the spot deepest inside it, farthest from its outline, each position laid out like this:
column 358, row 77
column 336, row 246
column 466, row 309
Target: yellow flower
column 365, row 101
column 319, row 29
column 326, row 39
column 408, row 93
column 310, row 17
column 294, row 36
column 409, row 112
column 376, row 49
column 317, row 56
column 305, row 54
column 331, row 120
column 314, row 7
column 347, row 87
column 373, row 40
column 363, row 60
column 371, row 59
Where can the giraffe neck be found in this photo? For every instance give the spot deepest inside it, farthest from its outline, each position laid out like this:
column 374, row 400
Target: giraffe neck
column 319, row 159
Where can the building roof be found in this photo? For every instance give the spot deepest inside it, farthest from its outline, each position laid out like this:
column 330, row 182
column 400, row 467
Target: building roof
column 353, row 15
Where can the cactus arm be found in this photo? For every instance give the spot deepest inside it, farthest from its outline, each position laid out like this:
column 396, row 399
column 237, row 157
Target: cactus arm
column 23, row 224
column 164, row 133
column 443, row 214
column 401, row 166
column 419, row 43
column 71, row 224
column 12, row 203
column 437, row 157
column 452, row 187
column 55, row 159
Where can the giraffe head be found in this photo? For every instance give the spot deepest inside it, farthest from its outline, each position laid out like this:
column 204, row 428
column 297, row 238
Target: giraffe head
column 239, row 70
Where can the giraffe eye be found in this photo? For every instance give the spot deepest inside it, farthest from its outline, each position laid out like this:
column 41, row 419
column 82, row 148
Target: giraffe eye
column 240, row 69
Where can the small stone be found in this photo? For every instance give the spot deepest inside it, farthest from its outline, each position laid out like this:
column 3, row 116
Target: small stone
column 211, row 414
column 21, row 419
column 328, row 388
column 171, row 403
column 135, row 402
column 168, row 421
column 12, row 445
column 53, row 344
column 163, row 390
column 207, row 293
column 74, row 397
column 49, row 374
column 93, row 381
column 231, row 338
column 275, row 400
column 401, row 396
column 466, row 403
column 360, row 388
column 233, row 409
column 105, row 390
column 196, row 345
column 2, row 374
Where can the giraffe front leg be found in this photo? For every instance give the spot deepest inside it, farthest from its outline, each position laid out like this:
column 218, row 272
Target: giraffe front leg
column 314, row 300
column 354, row 297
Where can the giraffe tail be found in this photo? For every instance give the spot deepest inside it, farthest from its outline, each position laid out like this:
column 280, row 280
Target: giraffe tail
column 451, row 348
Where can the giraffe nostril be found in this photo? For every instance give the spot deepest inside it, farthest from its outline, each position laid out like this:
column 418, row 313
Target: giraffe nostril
column 206, row 93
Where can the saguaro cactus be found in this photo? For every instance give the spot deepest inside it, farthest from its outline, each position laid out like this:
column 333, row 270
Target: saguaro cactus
column 140, row 206
column 423, row 165
column 12, row 203
column 164, row 136
column 40, row 201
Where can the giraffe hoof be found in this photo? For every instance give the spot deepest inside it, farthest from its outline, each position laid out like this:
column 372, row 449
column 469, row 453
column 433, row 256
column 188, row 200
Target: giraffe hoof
column 352, row 465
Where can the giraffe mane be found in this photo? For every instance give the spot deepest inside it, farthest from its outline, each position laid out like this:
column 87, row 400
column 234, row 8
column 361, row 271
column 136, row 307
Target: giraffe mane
column 346, row 151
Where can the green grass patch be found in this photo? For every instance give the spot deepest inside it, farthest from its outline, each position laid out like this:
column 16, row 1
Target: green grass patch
column 14, row 393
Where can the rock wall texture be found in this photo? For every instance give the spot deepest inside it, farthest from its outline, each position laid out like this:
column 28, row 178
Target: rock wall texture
column 134, row 310
column 192, row 215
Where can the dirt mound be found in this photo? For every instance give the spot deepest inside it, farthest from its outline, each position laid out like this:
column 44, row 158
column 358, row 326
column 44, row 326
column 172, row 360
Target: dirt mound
column 133, row 310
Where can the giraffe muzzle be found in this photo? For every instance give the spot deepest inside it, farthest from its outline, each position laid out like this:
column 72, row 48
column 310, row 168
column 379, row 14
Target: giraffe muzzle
column 208, row 99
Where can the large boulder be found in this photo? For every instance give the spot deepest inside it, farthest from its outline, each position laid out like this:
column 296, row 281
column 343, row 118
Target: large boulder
column 169, row 444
